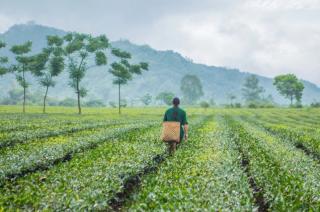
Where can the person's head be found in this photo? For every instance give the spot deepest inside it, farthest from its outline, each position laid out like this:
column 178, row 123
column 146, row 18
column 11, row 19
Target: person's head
column 176, row 101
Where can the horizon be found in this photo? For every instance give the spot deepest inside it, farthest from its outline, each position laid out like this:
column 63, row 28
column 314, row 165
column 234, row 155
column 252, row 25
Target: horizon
column 266, row 38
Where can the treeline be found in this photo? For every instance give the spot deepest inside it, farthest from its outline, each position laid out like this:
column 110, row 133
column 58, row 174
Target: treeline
column 253, row 95
column 75, row 53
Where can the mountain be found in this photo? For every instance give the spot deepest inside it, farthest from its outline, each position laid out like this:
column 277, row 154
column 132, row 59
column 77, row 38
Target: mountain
column 166, row 71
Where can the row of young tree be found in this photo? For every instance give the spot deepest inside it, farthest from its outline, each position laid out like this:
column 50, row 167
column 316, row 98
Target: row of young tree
column 74, row 52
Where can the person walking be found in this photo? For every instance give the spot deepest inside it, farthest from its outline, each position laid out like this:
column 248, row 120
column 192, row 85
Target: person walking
column 176, row 114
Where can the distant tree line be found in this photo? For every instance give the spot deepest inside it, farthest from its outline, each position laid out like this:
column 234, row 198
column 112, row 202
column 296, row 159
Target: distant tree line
column 74, row 52
column 253, row 94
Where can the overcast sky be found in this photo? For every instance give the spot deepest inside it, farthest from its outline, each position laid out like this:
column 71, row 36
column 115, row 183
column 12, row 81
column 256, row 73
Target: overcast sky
column 266, row 37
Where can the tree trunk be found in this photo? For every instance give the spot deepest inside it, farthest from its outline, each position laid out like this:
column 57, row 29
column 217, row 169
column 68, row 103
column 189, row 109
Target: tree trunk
column 24, row 100
column 44, row 100
column 119, row 99
column 79, row 104
column 291, row 99
column 24, row 92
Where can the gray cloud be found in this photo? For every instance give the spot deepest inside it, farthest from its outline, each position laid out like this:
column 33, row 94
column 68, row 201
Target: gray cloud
column 267, row 37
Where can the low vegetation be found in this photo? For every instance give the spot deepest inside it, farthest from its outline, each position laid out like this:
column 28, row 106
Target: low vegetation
column 235, row 159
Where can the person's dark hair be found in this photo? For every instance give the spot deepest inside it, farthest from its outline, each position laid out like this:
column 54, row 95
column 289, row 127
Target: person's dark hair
column 176, row 101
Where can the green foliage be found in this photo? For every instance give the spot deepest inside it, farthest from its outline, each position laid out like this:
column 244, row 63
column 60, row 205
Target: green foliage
column 48, row 64
column 282, row 188
column 23, row 65
column 68, row 102
column 251, row 90
column 2, row 44
column 54, row 40
column 94, row 103
column 123, row 103
column 204, row 104
column 231, row 98
column 60, row 161
column 3, row 60
column 146, row 99
column 123, row 71
column 289, row 86
column 198, row 178
column 237, row 105
column 165, row 97
column 15, row 97
column 252, row 105
column 79, row 49
column 101, row 58
column 315, row 104
column 21, row 49
column 113, row 104
column 191, row 88
column 121, row 54
column 264, row 102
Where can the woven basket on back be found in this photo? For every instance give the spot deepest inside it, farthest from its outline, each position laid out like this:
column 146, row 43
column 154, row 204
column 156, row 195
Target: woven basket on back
column 170, row 131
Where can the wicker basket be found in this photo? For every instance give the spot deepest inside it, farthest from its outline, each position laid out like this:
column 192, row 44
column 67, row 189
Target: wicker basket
column 170, row 131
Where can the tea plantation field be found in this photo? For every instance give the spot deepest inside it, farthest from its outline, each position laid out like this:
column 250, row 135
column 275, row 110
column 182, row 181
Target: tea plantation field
column 234, row 160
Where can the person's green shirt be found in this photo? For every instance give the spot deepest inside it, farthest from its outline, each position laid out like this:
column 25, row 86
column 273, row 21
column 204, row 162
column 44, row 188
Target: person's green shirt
column 176, row 114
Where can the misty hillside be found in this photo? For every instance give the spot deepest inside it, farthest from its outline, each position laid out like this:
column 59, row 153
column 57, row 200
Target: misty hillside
column 166, row 70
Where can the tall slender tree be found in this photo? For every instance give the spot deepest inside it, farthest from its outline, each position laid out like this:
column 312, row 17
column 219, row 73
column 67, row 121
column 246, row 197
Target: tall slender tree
column 81, row 50
column 3, row 60
column 22, row 66
column 123, row 71
column 49, row 64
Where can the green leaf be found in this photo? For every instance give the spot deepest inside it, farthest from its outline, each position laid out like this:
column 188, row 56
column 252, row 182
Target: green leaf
column 21, row 49
column 101, row 58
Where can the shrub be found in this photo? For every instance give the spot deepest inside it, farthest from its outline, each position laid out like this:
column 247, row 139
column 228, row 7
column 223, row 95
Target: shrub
column 94, row 103
column 204, row 104
column 68, row 102
column 315, row 104
column 237, row 105
column 252, row 105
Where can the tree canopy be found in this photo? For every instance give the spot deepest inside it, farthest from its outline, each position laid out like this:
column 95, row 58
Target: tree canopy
column 289, row 86
column 79, row 50
column 3, row 60
column 22, row 66
column 146, row 99
column 251, row 90
column 165, row 97
column 49, row 64
column 191, row 88
column 123, row 71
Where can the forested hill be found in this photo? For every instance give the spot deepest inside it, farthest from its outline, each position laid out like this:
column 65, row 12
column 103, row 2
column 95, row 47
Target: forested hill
column 166, row 70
